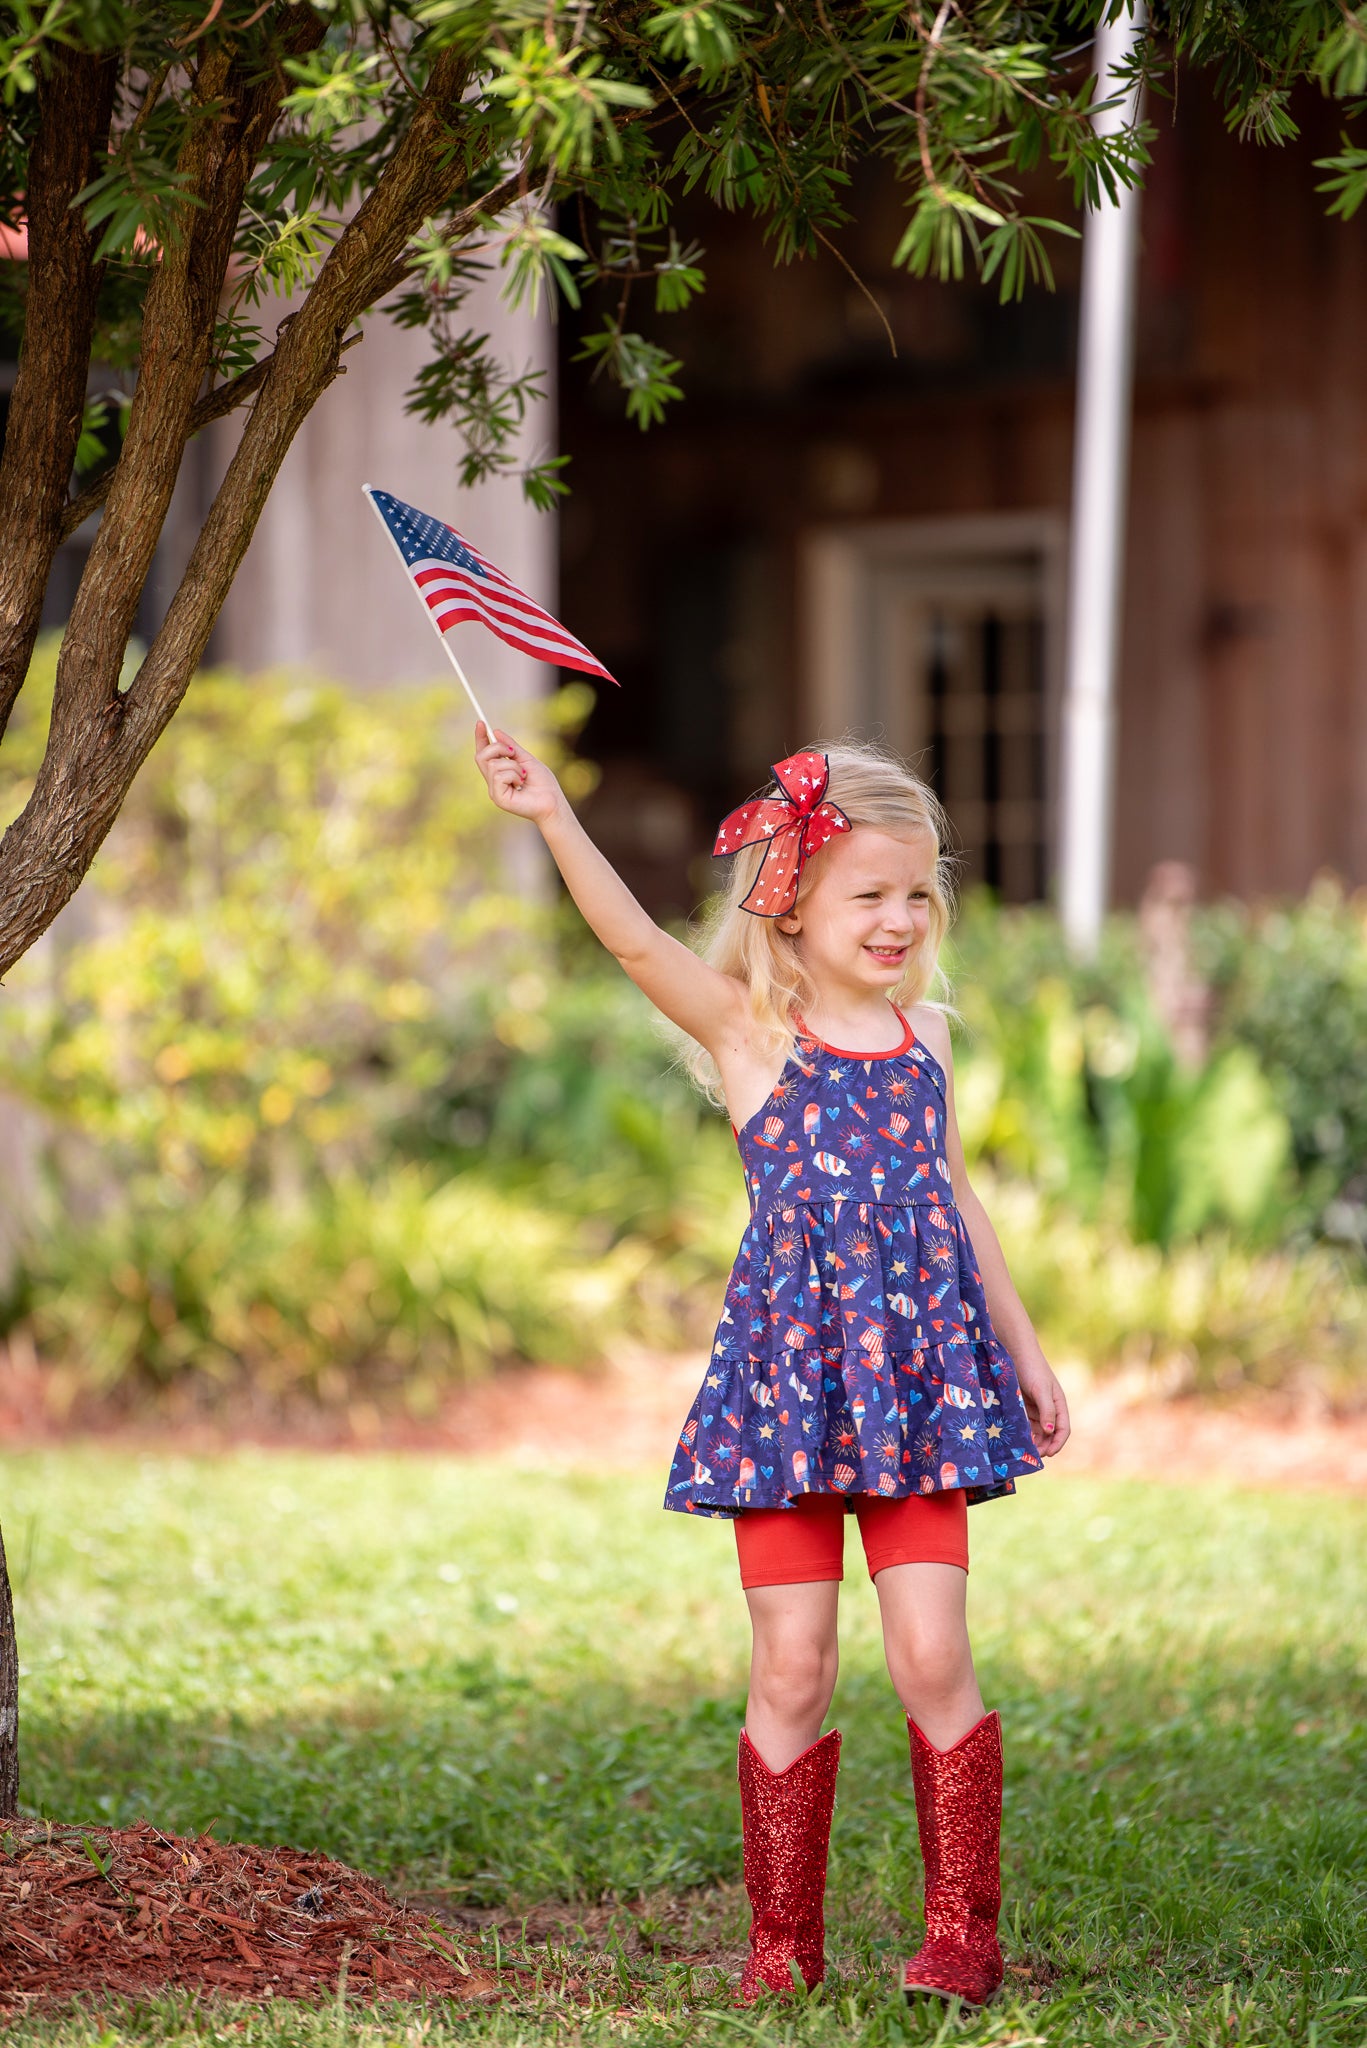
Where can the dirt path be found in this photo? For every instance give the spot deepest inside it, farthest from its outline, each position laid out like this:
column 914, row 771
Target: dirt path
column 1119, row 1425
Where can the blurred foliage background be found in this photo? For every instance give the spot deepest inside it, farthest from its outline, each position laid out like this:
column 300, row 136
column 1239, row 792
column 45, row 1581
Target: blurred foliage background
column 308, row 1096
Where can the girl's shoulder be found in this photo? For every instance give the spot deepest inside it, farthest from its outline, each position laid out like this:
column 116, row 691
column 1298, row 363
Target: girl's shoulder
column 932, row 1028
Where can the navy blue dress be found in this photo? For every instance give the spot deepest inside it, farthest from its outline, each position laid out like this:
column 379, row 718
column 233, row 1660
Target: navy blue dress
column 854, row 1353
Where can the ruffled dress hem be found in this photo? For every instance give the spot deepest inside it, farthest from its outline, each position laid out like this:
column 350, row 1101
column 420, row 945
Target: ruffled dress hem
column 928, row 1419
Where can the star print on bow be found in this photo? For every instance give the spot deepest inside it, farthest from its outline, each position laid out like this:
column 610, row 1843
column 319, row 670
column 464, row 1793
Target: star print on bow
column 795, row 824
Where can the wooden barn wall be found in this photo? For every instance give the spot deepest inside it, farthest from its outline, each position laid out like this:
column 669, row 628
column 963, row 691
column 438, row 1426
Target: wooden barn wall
column 1243, row 716
column 1244, row 720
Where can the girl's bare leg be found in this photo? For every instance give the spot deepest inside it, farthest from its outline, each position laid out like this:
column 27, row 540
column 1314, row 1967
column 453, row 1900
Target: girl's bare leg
column 793, row 1663
column 925, row 1640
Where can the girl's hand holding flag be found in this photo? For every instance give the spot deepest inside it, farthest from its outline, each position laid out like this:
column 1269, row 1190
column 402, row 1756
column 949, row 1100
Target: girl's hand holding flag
column 518, row 782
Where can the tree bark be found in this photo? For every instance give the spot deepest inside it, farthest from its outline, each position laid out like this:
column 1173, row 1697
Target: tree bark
column 9, row 1698
column 100, row 738
column 75, row 101
column 216, row 405
column 215, row 164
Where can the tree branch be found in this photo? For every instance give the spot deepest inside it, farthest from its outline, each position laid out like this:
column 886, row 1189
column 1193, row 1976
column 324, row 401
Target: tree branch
column 215, row 405
column 234, row 116
column 76, row 100
column 368, row 258
column 493, row 202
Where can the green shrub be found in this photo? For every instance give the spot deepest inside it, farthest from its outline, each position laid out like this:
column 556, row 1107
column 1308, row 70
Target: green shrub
column 1066, row 1077
column 403, row 1282
column 1212, row 1314
column 302, row 879
column 1291, row 985
column 561, row 1080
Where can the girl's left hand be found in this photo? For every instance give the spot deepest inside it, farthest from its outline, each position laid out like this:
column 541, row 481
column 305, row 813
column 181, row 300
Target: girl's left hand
column 1045, row 1405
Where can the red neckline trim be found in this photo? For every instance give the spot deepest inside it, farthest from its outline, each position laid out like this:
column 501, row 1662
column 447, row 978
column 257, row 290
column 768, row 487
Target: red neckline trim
column 846, row 1052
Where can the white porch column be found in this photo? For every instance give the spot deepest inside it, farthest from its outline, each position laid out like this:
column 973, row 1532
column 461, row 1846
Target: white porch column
column 1097, row 534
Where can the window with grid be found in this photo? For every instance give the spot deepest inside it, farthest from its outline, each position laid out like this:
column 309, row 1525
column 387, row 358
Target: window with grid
column 981, row 676
column 938, row 636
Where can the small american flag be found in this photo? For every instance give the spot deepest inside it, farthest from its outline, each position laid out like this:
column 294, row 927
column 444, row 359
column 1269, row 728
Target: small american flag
column 456, row 583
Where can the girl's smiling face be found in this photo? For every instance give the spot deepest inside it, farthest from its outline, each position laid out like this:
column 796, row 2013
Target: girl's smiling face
column 867, row 910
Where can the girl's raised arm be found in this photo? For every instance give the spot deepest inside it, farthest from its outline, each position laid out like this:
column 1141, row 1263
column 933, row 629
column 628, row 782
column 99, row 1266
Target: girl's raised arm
column 704, row 1003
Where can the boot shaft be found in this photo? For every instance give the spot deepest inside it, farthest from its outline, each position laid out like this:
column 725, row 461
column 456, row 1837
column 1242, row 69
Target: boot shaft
column 786, row 1827
column 958, row 1817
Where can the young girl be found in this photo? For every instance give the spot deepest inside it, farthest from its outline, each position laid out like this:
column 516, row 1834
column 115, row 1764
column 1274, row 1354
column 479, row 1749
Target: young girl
column 872, row 1353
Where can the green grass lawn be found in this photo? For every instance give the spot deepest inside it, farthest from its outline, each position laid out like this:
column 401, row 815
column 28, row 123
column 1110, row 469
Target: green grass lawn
column 504, row 1687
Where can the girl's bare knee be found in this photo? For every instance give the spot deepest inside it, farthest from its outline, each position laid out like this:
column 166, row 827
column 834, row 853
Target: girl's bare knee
column 929, row 1664
column 793, row 1676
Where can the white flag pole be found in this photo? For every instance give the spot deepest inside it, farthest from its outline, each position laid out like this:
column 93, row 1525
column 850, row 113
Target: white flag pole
column 369, row 490
column 1097, row 539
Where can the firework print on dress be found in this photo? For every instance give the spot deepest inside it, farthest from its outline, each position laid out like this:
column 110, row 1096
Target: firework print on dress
column 854, row 1352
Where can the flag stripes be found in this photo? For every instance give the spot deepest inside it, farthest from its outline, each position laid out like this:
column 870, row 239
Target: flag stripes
column 457, row 584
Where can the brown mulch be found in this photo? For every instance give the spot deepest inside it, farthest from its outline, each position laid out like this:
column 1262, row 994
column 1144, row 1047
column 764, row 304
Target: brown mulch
column 134, row 1911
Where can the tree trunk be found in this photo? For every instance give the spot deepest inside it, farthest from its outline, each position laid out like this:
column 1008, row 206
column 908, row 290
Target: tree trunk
column 100, row 736
column 75, row 99
column 9, row 1698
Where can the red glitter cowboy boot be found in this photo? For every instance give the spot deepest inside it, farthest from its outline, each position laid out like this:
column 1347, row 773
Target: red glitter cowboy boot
column 786, row 1824
column 959, row 1816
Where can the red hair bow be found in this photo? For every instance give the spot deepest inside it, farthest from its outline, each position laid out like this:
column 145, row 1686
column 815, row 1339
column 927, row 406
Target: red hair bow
column 795, row 824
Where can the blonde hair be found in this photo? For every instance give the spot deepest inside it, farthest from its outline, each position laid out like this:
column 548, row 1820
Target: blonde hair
column 872, row 786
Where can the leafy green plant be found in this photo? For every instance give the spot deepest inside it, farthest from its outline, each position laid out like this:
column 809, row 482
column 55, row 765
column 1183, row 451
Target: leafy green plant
column 1212, row 1314
column 562, row 1078
column 1067, row 1078
column 395, row 1284
column 287, row 930
column 1291, row 984
column 1160, row 1214
column 307, row 1125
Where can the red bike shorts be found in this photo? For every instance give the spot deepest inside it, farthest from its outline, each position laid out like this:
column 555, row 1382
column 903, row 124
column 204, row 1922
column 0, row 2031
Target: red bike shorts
column 792, row 1546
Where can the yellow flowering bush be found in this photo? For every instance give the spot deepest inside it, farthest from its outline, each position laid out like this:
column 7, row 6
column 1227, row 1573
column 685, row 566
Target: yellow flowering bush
column 303, row 876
